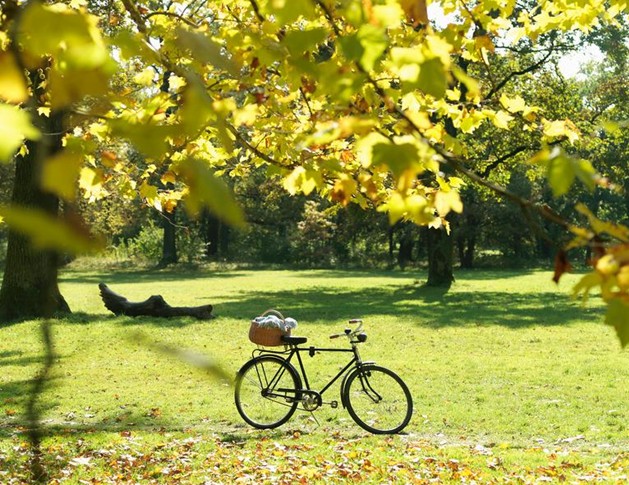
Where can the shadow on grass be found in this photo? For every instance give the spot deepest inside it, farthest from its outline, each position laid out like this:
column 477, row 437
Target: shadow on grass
column 176, row 274
column 148, row 276
column 403, row 297
column 429, row 307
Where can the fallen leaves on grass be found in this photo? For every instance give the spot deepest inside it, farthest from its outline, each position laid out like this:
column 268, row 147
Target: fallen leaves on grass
column 292, row 458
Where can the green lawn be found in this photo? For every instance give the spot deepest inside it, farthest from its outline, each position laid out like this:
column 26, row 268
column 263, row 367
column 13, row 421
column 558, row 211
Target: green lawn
column 512, row 382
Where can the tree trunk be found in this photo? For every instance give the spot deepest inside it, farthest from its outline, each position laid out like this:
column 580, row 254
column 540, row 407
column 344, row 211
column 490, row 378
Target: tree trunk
column 154, row 306
column 169, row 247
column 466, row 246
column 29, row 285
column 211, row 234
column 440, row 258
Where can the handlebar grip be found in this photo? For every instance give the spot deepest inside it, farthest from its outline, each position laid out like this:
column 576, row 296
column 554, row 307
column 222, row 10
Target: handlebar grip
column 356, row 320
column 336, row 335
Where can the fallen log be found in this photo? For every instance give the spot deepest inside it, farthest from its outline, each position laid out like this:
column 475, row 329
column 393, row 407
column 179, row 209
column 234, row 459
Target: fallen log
column 154, row 306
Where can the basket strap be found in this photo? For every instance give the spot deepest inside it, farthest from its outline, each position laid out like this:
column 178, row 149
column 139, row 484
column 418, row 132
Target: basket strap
column 273, row 312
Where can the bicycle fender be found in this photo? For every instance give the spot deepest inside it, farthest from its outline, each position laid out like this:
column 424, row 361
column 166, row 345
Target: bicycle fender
column 346, row 376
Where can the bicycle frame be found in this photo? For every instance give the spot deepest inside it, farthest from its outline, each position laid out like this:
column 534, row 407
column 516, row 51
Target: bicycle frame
column 355, row 362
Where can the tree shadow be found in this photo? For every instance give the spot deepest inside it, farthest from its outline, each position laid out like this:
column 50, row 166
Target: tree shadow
column 143, row 276
column 421, row 306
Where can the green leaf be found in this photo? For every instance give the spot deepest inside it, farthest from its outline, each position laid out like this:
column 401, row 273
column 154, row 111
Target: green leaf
column 366, row 46
column 288, row 11
column 15, row 126
column 561, row 174
column 61, row 172
column 618, row 317
column 151, row 140
column 300, row 41
column 61, row 31
column 48, row 232
column 562, row 170
column 398, row 157
column 206, row 190
column 12, row 81
column 205, row 50
column 432, row 78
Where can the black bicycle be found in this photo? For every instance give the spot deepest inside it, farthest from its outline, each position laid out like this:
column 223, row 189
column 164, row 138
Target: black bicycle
column 269, row 388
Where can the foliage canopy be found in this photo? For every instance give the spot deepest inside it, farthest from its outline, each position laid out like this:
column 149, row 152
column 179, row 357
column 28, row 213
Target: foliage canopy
column 364, row 102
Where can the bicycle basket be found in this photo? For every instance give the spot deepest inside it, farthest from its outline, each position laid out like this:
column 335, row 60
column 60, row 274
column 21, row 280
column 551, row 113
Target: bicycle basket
column 267, row 336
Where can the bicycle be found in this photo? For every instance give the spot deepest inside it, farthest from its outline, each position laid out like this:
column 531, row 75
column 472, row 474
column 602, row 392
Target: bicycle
column 269, row 388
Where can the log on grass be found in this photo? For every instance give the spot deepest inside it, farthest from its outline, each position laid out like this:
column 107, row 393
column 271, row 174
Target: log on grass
column 154, row 306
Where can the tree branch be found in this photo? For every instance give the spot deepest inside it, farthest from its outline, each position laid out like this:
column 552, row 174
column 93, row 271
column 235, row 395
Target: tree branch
column 521, row 72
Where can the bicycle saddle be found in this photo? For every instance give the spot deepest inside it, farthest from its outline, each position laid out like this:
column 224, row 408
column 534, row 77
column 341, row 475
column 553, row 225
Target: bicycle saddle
column 290, row 340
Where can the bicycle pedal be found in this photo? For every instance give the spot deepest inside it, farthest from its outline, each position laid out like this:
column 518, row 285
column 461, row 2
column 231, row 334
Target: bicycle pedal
column 334, row 404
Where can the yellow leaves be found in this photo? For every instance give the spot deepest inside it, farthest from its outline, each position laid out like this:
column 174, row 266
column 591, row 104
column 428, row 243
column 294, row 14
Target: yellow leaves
column 12, row 82
column 562, row 170
column 48, row 232
column 246, row 115
column 60, row 173
column 301, row 180
column 149, row 193
column 205, row 50
column 207, row 191
column 344, row 189
column 560, row 129
column 15, row 126
column 81, row 66
column 91, row 181
column 423, row 67
column 416, row 11
column 145, row 77
column 616, row 231
column 414, row 207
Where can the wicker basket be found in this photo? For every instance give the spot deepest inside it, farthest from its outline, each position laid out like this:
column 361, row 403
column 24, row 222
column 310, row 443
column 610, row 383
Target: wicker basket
column 267, row 336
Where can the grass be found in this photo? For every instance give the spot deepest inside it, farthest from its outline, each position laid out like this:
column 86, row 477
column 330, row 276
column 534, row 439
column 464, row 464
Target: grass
column 509, row 378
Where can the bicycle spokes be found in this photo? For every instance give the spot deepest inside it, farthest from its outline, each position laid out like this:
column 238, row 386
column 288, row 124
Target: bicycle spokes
column 368, row 389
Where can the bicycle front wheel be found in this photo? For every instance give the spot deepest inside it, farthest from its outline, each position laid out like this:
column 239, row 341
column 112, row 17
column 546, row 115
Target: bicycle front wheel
column 267, row 391
column 378, row 400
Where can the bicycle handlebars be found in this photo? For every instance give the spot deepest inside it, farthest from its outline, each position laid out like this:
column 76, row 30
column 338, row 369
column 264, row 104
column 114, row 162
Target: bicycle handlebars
column 349, row 333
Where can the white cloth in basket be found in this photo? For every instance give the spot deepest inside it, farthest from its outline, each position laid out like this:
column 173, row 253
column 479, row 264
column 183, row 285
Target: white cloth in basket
column 271, row 321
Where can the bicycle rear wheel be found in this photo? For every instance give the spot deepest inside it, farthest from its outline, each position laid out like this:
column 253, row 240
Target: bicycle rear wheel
column 378, row 400
column 267, row 391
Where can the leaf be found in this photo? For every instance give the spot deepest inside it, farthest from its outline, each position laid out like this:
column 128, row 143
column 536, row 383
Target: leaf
column 416, row 11
column 446, row 201
column 207, row 51
column 302, row 180
column 48, row 232
column 562, row 265
column 63, row 32
column 15, row 126
column 617, row 316
column 60, row 173
column 288, row 11
column 300, row 41
column 432, row 78
column 206, row 190
column 398, row 157
column 561, row 129
column 12, row 82
column 514, row 105
column 366, row 46
column 145, row 77
column 562, row 170
column 150, row 139
column 150, row 195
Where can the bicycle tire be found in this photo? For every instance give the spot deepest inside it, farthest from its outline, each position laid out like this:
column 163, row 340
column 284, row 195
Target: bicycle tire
column 377, row 399
column 252, row 383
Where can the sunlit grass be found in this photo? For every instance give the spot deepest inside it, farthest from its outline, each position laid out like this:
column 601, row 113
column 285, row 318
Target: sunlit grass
column 504, row 361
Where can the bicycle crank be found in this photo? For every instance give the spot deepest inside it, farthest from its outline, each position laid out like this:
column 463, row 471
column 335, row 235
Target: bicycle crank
column 311, row 400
